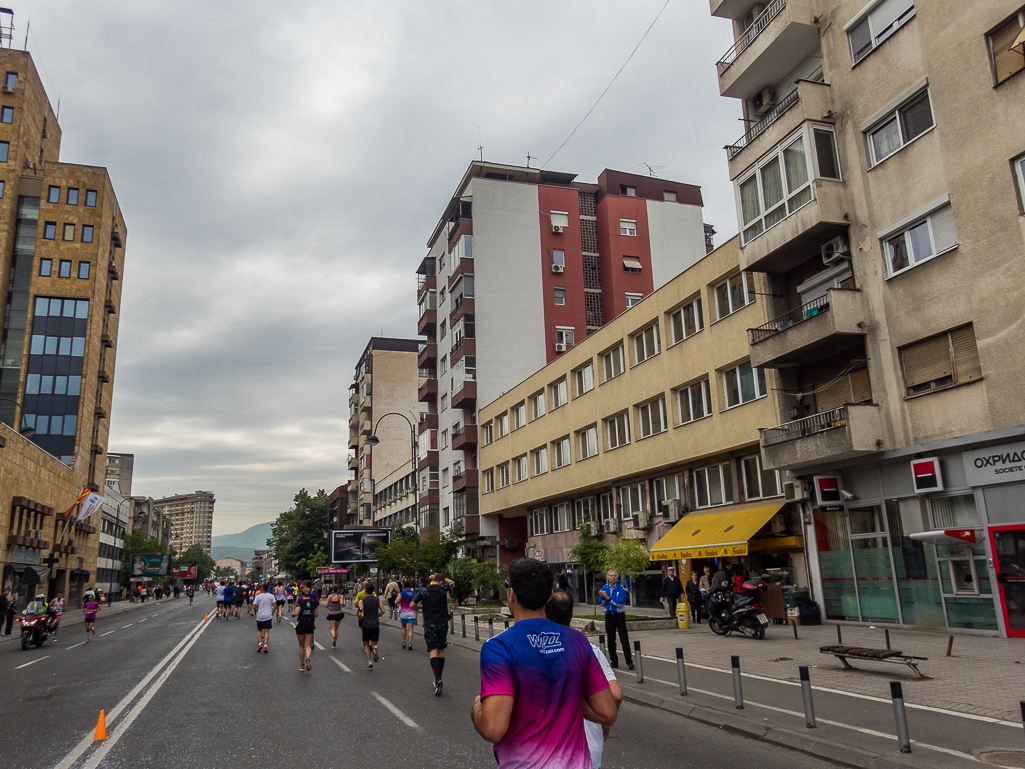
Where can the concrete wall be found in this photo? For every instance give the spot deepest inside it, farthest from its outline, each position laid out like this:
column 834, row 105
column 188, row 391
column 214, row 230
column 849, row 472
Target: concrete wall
column 676, row 233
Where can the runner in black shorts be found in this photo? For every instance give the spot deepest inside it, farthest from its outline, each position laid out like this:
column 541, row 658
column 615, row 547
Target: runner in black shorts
column 434, row 599
column 238, row 600
column 370, row 610
column 306, row 612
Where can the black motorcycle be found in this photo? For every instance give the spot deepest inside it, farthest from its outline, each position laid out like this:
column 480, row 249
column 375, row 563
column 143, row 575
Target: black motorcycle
column 740, row 612
column 35, row 629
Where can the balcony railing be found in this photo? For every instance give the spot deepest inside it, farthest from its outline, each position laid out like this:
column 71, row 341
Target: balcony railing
column 805, row 312
column 788, row 101
column 750, row 34
column 816, row 423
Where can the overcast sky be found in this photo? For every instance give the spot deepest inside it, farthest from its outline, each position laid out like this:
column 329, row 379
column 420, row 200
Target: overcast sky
column 280, row 167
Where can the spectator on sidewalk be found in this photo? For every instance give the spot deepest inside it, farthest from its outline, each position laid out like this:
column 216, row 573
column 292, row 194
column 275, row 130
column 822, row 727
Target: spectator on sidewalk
column 613, row 597
column 672, row 589
column 724, row 574
column 562, row 582
column 6, row 612
column 693, row 590
column 705, row 588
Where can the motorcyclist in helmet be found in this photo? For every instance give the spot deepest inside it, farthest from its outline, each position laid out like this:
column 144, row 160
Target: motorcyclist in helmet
column 38, row 606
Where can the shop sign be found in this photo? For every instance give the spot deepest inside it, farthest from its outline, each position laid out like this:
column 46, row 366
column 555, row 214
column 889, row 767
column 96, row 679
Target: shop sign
column 713, row 551
column 999, row 464
column 184, row 572
column 827, row 493
column 22, row 554
column 539, row 555
column 927, row 475
column 150, row 564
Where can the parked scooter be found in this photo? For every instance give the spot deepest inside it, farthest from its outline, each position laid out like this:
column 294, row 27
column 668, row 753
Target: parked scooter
column 35, row 623
column 740, row 612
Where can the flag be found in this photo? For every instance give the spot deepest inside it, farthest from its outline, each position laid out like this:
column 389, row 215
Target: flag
column 93, row 502
column 85, row 493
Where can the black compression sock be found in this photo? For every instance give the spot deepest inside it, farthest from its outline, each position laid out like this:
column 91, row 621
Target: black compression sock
column 441, row 666
column 436, row 667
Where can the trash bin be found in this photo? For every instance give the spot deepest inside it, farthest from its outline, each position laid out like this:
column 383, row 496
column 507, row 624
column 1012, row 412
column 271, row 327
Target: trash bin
column 683, row 615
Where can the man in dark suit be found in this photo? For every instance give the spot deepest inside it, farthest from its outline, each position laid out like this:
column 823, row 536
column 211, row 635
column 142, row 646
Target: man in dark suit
column 672, row 589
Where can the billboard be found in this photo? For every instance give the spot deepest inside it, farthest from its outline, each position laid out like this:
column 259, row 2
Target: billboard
column 357, row 545
column 184, row 572
column 150, row 565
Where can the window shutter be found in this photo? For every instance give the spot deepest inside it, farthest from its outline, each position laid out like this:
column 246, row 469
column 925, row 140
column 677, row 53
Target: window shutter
column 927, row 360
column 833, row 395
column 966, row 354
column 861, row 388
column 1006, row 61
column 888, row 12
column 944, row 233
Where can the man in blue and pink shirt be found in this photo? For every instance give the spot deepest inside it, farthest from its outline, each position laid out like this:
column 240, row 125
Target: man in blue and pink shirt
column 538, row 682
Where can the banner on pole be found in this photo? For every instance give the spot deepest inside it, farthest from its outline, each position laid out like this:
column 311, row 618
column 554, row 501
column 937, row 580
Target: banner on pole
column 92, row 503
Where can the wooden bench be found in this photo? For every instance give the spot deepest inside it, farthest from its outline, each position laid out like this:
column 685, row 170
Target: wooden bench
column 843, row 653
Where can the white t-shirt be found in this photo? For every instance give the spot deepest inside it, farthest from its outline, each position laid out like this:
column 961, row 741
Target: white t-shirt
column 595, row 738
column 220, row 592
column 264, row 604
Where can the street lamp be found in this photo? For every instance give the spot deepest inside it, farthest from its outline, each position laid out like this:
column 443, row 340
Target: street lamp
column 25, row 429
column 373, row 440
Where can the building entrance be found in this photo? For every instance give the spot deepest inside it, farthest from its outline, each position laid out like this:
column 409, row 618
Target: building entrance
column 1009, row 553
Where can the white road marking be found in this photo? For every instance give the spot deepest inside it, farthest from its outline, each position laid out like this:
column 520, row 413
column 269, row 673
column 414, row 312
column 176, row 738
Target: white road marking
column 860, row 729
column 317, row 644
column 33, row 662
column 87, row 741
column 929, row 708
column 107, row 633
column 341, row 664
column 69, row 648
column 128, row 625
column 397, row 713
column 144, row 619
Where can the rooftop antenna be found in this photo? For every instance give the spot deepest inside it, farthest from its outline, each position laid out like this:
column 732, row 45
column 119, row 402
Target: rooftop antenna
column 7, row 27
column 652, row 169
column 480, row 145
column 529, row 156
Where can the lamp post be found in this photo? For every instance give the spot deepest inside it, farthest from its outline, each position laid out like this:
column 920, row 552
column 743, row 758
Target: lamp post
column 24, row 430
column 373, row 440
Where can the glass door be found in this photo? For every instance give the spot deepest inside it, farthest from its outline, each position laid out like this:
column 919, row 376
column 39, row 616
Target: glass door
column 1009, row 554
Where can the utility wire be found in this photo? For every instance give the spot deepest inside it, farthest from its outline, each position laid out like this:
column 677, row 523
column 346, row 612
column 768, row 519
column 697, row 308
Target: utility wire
column 545, row 164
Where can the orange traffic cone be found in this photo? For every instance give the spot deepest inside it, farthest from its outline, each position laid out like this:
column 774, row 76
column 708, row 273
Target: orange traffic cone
column 101, row 727
column 206, row 618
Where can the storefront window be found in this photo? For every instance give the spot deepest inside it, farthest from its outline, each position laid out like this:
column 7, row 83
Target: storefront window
column 963, row 569
column 875, row 580
column 838, row 595
column 954, row 512
column 918, row 585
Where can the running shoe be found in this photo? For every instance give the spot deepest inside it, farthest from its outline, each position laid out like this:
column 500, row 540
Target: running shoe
column 373, row 653
column 403, row 644
column 259, row 648
column 266, row 650
column 309, row 665
column 370, row 666
column 302, row 668
column 333, row 644
column 438, row 683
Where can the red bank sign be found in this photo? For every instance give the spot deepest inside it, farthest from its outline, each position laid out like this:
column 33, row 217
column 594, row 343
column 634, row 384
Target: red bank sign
column 183, row 572
column 927, row 475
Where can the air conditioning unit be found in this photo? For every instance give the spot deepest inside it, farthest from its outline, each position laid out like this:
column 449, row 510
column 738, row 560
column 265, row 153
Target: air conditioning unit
column 558, row 269
column 671, row 510
column 642, row 519
column 560, row 347
column 835, row 250
column 7, row 88
column 779, row 524
column 610, row 525
column 557, row 229
column 796, row 491
column 764, row 101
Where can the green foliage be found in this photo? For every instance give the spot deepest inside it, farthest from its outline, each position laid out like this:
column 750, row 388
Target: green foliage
column 397, row 557
column 196, row 556
column 628, row 557
column 297, row 536
column 462, row 571
column 317, row 558
column 490, row 576
column 588, row 552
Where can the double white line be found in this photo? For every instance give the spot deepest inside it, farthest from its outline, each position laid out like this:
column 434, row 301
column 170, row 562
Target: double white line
column 163, row 669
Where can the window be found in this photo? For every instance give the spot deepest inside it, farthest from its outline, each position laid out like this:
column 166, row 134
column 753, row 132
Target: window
column 87, row 233
column 733, row 294
column 443, row 328
column 560, row 218
column 444, row 403
column 90, row 198
column 50, row 230
column 559, row 257
column 899, row 128
column 583, row 511
column 651, row 417
column 612, row 362
column 560, row 296
column 758, row 483
column 867, row 32
column 588, row 438
column 686, row 321
column 583, row 377
column 489, row 481
column 711, row 486
column 501, row 426
column 72, row 196
column 560, row 517
column 11, row 80
column 558, row 390
column 562, row 452
column 617, row 431
column 83, row 270
column 628, row 227
column 606, row 508
column 503, row 475
column 1007, row 58
column 521, row 468
column 537, row 405
column 1019, row 172
column 444, row 476
column 443, row 439
column 565, row 335
column 5, row 151
column 630, row 192
column 908, row 245
column 646, row 344
column 948, row 359
column 486, row 434
column 539, row 521
column 64, row 269
column 632, row 499
column 6, row 114
column 540, row 457
column 69, row 232
column 665, row 488
column 633, row 300
column 693, row 402
column 3, row 187
column 519, row 416
column 632, row 264
column 668, row 196
column 743, row 384
column 53, row 194
column 45, row 267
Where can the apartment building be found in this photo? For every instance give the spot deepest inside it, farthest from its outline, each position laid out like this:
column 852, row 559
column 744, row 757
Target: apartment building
column 119, row 473
column 385, row 383
column 880, row 190
column 338, row 502
column 191, row 518
column 147, row 518
column 550, row 260
column 648, row 429
column 61, row 254
column 114, row 524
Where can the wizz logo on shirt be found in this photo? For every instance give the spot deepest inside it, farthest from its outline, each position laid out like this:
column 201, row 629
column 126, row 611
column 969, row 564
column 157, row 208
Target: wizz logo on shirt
column 548, row 643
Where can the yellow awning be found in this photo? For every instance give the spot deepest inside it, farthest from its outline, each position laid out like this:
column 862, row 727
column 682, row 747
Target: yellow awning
column 716, row 532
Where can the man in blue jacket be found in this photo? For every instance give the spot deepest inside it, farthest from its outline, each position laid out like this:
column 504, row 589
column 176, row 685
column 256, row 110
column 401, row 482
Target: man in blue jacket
column 613, row 597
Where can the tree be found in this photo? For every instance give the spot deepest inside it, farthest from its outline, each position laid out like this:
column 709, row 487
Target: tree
column 462, row 571
column 196, row 556
column 628, row 557
column 297, row 536
column 589, row 552
column 397, row 556
column 487, row 577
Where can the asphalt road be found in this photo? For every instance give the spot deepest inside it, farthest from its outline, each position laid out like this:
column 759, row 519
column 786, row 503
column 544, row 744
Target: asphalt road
column 181, row 692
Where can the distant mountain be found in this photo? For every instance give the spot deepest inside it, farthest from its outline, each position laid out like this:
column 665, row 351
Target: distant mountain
column 253, row 538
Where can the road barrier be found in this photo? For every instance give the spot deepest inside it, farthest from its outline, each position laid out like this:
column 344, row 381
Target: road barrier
column 464, row 626
column 601, row 645
column 681, row 672
column 809, row 707
column 738, row 687
column 901, row 717
column 476, row 628
column 491, row 627
column 640, row 662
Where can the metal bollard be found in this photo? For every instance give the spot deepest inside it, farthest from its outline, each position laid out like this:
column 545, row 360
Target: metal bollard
column 681, row 672
column 809, row 707
column 601, row 645
column 476, row 628
column 640, row 662
column 464, row 626
column 738, row 688
column 901, row 716
column 886, row 634
column 507, row 624
column 491, row 627
column 1021, row 704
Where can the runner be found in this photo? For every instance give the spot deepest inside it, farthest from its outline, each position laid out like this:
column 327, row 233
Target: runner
column 306, row 612
column 228, row 599
column 290, row 594
column 55, row 610
column 335, row 613
column 355, row 602
column 218, row 592
column 251, row 598
column 240, row 597
column 371, row 610
column 190, row 591
column 391, row 590
column 434, row 599
column 90, row 607
column 407, row 613
column 264, row 604
column 279, row 600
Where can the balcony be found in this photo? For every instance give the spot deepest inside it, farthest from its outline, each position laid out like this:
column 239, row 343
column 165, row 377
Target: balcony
column 354, row 463
column 462, row 267
column 800, row 235
column 365, row 428
column 471, row 525
column 466, row 396
column 354, row 439
column 427, row 458
column 428, row 392
column 463, row 305
column 814, row 330
column 428, row 355
column 429, row 497
column 467, row 479
column 783, row 36
column 425, row 283
column 366, row 405
column 428, row 422
column 464, row 438
column 462, row 347
column 427, row 323
column 831, row 436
